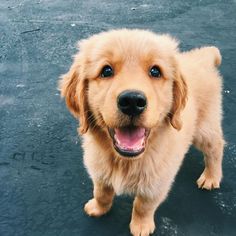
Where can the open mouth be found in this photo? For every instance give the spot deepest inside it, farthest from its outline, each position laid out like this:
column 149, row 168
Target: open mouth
column 129, row 141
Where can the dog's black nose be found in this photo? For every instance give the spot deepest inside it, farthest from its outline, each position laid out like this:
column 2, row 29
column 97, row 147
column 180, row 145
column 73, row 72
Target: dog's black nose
column 131, row 102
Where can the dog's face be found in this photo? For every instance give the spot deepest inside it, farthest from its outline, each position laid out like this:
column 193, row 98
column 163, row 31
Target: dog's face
column 126, row 82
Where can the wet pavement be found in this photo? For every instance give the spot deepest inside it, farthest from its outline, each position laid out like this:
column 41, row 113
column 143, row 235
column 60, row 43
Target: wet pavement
column 43, row 184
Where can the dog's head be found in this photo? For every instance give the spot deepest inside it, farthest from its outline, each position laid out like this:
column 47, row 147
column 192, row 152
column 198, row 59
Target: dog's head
column 125, row 82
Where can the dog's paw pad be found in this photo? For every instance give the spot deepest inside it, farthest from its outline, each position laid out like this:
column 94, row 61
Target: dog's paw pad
column 141, row 228
column 208, row 182
column 92, row 208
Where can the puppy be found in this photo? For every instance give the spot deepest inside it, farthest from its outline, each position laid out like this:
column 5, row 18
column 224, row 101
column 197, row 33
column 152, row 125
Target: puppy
column 141, row 103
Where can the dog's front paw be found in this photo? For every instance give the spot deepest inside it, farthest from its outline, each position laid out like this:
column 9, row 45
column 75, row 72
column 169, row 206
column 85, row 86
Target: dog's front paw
column 142, row 227
column 93, row 208
column 208, row 181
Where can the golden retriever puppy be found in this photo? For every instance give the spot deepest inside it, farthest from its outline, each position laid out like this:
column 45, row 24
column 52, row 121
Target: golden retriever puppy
column 141, row 103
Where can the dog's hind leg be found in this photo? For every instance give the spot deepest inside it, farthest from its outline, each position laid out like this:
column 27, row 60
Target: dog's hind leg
column 209, row 139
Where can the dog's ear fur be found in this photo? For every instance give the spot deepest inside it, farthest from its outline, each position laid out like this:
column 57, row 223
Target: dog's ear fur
column 180, row 93
column 179, row 84
column 74, row 88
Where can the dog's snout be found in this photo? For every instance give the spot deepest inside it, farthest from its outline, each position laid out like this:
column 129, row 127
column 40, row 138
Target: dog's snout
column 132, row 103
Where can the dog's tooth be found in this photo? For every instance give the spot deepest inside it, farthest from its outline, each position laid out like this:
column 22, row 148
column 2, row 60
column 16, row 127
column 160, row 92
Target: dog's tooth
column 117, row 140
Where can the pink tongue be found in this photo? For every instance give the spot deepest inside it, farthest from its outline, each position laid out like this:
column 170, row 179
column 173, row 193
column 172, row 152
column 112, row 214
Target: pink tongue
column 130, row 138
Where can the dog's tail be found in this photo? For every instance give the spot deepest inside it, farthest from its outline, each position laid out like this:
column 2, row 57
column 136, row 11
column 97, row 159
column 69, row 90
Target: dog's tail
column 215, row 52
column 210, row 55
column 206, row 56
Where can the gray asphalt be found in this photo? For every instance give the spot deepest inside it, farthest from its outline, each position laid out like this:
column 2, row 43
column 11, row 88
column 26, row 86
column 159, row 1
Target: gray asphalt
column 43, row 184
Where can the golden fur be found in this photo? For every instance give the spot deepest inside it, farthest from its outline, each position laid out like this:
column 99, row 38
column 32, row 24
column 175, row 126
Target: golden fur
column 184, row 108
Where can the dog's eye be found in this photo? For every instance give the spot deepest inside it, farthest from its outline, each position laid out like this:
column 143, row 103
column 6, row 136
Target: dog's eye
column 155, row 72
column 107, row 71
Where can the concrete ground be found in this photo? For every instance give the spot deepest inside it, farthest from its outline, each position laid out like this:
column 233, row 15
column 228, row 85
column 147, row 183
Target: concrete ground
column 43, row 184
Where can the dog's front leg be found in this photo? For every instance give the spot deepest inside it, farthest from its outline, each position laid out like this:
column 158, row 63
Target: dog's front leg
column 142, row 222
column 101, row 202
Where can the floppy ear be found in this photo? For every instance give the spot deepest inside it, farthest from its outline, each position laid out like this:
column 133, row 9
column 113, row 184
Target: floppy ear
column 74, row 88
column 179, row 100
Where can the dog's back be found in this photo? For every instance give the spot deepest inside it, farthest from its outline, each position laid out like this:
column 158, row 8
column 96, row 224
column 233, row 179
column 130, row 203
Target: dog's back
column 199, row 68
